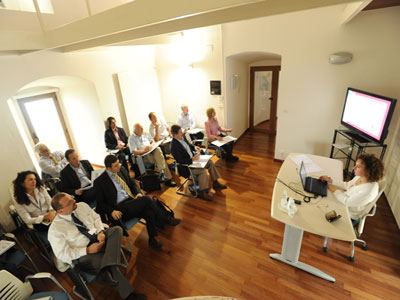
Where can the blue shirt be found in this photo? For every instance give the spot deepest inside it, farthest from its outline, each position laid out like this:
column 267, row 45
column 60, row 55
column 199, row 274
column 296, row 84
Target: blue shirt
column 186, row 121
column 121, row 194
column 136, row 142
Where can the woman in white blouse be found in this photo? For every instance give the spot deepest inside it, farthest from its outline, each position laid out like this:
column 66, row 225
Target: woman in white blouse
column 32, row 201
column 362, row 189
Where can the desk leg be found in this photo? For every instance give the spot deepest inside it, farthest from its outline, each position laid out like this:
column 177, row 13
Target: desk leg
column 291, row 251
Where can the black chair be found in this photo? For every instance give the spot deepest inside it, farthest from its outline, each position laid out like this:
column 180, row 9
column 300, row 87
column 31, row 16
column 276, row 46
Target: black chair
column 193, row 188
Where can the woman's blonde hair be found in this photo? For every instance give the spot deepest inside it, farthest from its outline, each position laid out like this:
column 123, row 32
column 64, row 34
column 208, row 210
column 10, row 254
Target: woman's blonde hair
column 209, row 112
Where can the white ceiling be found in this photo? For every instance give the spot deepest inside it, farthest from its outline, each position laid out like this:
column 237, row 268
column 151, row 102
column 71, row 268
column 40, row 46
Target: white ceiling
column 83, row 24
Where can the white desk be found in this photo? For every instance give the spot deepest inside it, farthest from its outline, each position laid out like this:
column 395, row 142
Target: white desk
column 310, row 216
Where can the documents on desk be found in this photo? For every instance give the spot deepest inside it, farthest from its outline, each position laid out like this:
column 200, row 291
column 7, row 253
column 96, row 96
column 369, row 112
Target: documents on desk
column 167, row 140
column 225, row 140
column 155, row 146
column 194, row 130
column 201, row 162
column 94, row 175
column 5, row 245
column 311, row 167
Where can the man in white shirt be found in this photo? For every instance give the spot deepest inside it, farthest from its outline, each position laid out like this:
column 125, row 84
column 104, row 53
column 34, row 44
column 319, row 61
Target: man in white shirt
column 77, row 236
column 159, row 130
column 140, row 143
column 50, row 163
column 187, row 122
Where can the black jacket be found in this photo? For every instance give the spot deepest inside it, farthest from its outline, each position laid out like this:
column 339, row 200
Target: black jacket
column 111, row 140
column 70, row 181
column 181, row 156
column 106, row 193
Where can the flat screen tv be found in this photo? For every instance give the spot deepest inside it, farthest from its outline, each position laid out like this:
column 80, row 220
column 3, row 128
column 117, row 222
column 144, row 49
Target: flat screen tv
column 368, row 115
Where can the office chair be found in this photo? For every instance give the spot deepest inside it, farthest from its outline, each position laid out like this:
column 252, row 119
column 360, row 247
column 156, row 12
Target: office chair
column 369, row 211
column 34, row 236
column 13, row 288
column 14, row 256
column 194, row 187
column 53, row 184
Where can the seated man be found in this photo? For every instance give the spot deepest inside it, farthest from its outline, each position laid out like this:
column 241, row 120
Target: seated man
column 141, row 143
column 119, row 197
column 77, row 236
column 183, row 154
column 159, row 130
column 77, row 175
column 187, row 122
column 50, row 163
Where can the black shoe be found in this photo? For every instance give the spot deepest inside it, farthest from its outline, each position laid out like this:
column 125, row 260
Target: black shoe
column 135, row 296
column 173, row 221
column 105, row 278
column 155, row 244
column 232, row 158
column 219, row 186
column 170, row 183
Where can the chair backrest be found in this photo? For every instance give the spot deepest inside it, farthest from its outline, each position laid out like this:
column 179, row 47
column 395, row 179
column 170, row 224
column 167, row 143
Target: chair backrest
column 13, row 288
column 372, row 206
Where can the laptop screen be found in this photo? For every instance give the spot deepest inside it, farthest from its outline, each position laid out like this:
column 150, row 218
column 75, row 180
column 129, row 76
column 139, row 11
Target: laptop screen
column 303, row 174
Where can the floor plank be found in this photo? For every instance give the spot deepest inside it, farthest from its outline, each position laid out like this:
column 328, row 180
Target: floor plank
column 222, row 247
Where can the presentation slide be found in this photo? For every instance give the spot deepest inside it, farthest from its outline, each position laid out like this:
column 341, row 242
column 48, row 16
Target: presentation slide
column 366, row 113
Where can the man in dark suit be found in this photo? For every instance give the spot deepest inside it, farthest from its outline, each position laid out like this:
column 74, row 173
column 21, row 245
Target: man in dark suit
column 77, row 175
column 184, row 153
column 116, row 139
column 120, row 198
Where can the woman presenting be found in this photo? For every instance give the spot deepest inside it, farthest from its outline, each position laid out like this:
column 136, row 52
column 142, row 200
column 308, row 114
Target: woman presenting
column 362, row 189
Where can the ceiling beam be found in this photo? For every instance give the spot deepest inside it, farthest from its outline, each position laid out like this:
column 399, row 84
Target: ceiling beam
column 353, row 9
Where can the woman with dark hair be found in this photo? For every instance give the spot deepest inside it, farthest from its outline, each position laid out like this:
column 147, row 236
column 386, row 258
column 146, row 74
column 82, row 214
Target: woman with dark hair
column 362, row 189
column 116, row 139
column 32, row 201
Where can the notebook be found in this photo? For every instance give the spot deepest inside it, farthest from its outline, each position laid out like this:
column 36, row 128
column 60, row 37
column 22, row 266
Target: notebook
column 312, row 185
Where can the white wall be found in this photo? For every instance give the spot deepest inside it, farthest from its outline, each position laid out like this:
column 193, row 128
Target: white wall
column 96, row 67
column 311, row 91
column 185, row 69
column 237, row 98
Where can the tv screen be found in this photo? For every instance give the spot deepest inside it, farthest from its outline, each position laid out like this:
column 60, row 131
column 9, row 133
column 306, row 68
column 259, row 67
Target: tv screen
column 368, row 114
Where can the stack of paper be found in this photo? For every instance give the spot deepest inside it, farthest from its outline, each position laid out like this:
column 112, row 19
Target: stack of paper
column 224, row 141
column 309, row 165
column 201, row 162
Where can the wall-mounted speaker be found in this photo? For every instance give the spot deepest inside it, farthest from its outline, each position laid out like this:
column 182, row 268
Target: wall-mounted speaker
column 215, row 87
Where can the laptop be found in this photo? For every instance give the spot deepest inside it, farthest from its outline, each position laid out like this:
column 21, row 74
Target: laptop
column 312, row 185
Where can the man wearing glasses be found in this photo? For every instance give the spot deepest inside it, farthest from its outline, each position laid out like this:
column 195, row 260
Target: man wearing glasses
column 77, row 236
column 50, row 163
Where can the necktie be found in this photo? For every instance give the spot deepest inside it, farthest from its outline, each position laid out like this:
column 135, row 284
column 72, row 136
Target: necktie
column 123, row 185
column 53, row 159
column 83, row 229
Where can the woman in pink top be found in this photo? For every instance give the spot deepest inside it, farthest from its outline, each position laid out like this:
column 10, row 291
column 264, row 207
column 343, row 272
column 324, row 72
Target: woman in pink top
column 213, row 130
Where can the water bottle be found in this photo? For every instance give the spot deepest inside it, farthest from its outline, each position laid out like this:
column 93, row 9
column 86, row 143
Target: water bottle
column 291, row 207
column 284, row 199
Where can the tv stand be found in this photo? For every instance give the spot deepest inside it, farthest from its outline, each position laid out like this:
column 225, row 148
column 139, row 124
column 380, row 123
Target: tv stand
column 349, row 145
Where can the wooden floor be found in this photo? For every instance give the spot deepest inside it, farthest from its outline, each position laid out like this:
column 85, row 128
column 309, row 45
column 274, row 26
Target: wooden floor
column 222, row 247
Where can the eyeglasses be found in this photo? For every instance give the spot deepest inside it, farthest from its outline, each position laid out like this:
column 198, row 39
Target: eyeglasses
column 70, row 201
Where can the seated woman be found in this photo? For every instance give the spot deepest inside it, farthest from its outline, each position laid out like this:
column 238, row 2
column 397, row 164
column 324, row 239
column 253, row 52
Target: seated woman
column 213, row 130
column 362, row 189
column 32, row 201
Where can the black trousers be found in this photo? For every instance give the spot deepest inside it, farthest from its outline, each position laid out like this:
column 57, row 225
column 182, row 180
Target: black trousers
column 108, row 258
column 228, row 148
column 87, row 196
column 141, row 207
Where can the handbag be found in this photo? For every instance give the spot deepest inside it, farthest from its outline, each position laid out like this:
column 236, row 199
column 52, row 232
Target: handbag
column 164, row 210
column 150, row 181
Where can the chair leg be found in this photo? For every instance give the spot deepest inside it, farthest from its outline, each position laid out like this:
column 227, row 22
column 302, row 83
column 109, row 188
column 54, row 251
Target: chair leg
column 325, row 248
column 130, row 249
column 80, row 288
column 364, row 244
column 178, row 190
